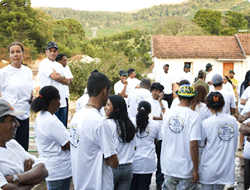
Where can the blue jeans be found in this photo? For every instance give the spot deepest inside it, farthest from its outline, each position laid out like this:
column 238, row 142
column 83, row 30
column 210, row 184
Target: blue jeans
column 122, row 176
column 140, row 182
column 62, row 184
column 61, row 114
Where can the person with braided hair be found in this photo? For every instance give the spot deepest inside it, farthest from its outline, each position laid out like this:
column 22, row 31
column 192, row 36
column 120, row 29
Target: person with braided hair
column 52, row 139
column 221, row 137
column 144, row 164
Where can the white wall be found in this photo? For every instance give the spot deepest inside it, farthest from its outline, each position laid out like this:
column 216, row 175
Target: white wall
column 176, row 66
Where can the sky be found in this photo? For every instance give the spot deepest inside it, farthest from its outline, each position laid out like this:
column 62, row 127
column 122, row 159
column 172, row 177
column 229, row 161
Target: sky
column 102, row 5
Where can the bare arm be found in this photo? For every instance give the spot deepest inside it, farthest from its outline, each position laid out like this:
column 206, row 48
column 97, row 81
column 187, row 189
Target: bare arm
column 245, row 129
column 241, row 118
column 10, row 186
column 194, row 152
column 32, row 177
column 112, row 161
column 232, row 110
column 174, row 88
column 56, row 76
column 243, row 101
column 123, row 92
column 66, row 146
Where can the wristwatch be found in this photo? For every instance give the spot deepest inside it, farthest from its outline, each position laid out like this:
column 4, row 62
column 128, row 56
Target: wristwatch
column 16, row 180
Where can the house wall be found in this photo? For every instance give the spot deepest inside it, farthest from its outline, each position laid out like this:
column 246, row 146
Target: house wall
column 176, row 66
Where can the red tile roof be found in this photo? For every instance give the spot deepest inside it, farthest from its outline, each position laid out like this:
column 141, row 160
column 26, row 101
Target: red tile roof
column 219, row 47
column 245, row 42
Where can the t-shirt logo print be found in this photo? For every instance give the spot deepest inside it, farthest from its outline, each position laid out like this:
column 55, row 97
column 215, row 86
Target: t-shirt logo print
column 139, row 99
column 74, row 136
column 226, row 132
column 176, row 124
column 144, row 134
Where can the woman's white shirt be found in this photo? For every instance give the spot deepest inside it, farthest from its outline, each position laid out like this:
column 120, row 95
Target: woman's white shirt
column 246, row 152
column 51, row 135
column 16, row 86
column 217, row 160
column 144, row 160
column 125, row 151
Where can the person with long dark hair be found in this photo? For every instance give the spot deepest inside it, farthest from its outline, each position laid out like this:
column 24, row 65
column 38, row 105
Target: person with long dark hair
column 227, row 85
column 221, row 135
column 16, row 87
column 123, row 132
column 144, row 164
column 52, row 139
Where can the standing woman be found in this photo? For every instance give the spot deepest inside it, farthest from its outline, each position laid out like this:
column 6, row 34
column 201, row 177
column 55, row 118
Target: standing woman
column 62, row 59
column 52, row 139
column 221, row 134
column 123, row 132
column 16, row 87
column 144, row 164
column 228, row 85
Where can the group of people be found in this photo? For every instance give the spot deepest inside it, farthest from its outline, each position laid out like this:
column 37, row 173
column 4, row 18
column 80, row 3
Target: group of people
column 114, row 140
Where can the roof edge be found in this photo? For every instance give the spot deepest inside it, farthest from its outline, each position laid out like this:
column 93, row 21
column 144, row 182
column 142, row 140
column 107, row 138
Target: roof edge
column 241, row 47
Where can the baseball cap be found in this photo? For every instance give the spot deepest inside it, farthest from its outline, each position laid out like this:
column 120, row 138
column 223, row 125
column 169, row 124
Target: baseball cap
column 186, row 91
column 231, row 71
column 7, row 109
column 209, row 65
column 186, row 65
column 51, row 45
column 123, row 73
column 156, row 85
column 217, row 79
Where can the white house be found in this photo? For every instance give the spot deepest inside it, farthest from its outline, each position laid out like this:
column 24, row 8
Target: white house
column 223, row 52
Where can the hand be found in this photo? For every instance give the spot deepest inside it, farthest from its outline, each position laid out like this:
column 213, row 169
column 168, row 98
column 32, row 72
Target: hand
column 28, row 164
column 195, row 177
column 160, row 96
column 125, row 82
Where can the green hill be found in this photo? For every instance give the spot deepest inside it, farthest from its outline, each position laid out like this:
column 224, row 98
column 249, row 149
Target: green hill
column 114, row 22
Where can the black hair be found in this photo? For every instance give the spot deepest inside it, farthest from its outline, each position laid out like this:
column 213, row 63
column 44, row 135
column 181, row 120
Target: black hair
column 216, row 85
column 245, row 84
column 60, row 56
column 228, row 79
column 145, row 83
column 94, row 71
column 157, row 86
column 130, row 71
column 183, row 82
column 96, row 83
column 2, row 119
column 46, row 95
column 215, row 101
column 166, row 65
column 125, row 128
column 144, row 108
column 201, row 74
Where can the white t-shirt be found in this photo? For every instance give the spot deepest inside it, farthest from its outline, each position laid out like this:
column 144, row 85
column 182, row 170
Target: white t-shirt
column 246, row 108
column 50, row 136
column 203, row 111
column 144, row 160
column 68, row 75
column 246, row 152
column 82, row 101
column 229, row 101
column 166, row 80
column 45, row 69
column 186, row 76
column 209, row 77
column 134, row 98
column 217, row 160
column 228, row 87
column 95, row 144
column 175, row 102
column 156, row 111
column 125, row 151
column 133, row 83
column 179, row 127
column 16, row 86
column 119, row 86
column 245, row 95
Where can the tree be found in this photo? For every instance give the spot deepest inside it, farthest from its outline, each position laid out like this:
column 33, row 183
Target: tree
column 236, row 20
column 209, row 20
column 176, row 25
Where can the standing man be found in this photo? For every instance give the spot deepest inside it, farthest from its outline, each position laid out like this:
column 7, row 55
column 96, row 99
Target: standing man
column 186, row 75
column 201, row 80
column 121, row 87
column 181, row 132
column 234, row 81
column 137, row 95
column 230, row 105
column 169, row 85
column 92, row 148
column 209, row 76
column 52, row 73
column 132, row 81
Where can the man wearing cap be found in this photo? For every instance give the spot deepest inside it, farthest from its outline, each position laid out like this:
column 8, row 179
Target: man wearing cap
column 121, row 87
column 186, row 75
column 158, row 109
column 169, row 85
column 234, row 81
column 181, row 131
column 52, row 73
column 17, row 168
column 209, row 76
column 230, row 105
column 201, row 80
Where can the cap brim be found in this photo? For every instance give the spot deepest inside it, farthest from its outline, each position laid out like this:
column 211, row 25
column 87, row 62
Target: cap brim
column 16, row 113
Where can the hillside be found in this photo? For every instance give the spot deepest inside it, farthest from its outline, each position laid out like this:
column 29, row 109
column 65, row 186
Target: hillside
column 114, row 22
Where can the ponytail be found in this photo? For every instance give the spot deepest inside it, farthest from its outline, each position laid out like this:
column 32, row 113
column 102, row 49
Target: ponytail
column 142, row 118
